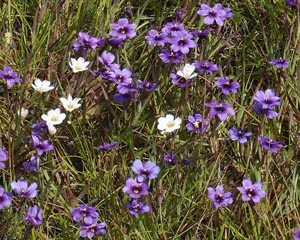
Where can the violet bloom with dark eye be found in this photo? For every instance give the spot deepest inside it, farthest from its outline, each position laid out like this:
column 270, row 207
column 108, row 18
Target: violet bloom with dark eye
column 148, row 170
column 170, row 159
column 90, row 230
column 239, row 135
column 123, row 29
column 86, row 42
column 267, row 99
column 202, row 34
column 221, row 110
column 5, row 198
column 32, row 164
column 107, row 146
column 280, row 62
column 3, row 157
column 226, row 85
column 251, row 191
column 182, row 42
column 40, row 145
column 22, row 189
column 10, row 76
column 34, row 216
column 171, row 27
column 170, row 56
column 270, row 144
column 86, row 213
column 268, row 112
column 135, row 189
column 136, row 207
column 219, row 197
column 197, row 124
column 120, row 76
column 206, row 67
column 147, row 86
column 155, row 38
column 296, row 234
column 215, row 14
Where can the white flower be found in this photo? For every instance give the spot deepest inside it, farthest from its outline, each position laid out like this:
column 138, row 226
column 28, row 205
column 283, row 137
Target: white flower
column 69, row 103
column 187, row 72
column 168, row 123
column 78, row 65
column 51, row 129
column 42, row 86
column 53, row 117
column 23, row 113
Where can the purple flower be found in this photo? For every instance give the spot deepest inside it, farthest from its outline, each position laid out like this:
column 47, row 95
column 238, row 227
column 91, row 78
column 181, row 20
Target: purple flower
column 170, row 159
column 170, row 56
column 293, row 3
column 3, row 157
column 267, row 99
column 107, row 59
column 136, row 207
column 222, row 110
column 122, row 98
column 116, row 42
column 219, row 197
column 182, row 41
column 145, row 171
column 86, row 42
column 21, row 188
column 135, row 188
column 296, row 234
column 197, row 124
column 10, row 76
column 202, row 34
column 280, row 63
column 180, row 81
column 226, row 85
column 39, row 128
column 119, row 76
column 86, row 213
column 107, row 146
column 147, row 86
column 123, row 29
column 34, row 216
column 32, row 164
column 155, row 38
column 270, row 144
column 251, row 191
column 186, row 161
column 5, row 198
column 270, row 113
column 40, row 145
column 215, row 14
column 171, row 27
column 90, row 230
column 206, row 67
column 239, row 135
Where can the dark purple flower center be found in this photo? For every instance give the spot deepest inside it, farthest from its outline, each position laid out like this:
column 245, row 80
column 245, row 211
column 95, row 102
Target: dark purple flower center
column 84, row 212
column 220, row 108
column 120, row 78
column 182, row 42
column 136, row 189
column 250, row 192
column 219, row 198
column 123, row 30
column 145, row 172
column 212, row 13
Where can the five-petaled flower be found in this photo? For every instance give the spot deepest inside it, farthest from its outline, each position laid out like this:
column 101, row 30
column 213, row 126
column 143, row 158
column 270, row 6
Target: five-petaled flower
column 270, row 144
column 280, row 62
column 69, row 103
column 221, row 110
column 148, row 170
column 226, row 85
column 219, row 197
column 135, row 189
column 42, row 86
column 251, row 191
column 168, row 123
column 239, row 135
column 22, row 189
column 135, row 207
column 197, row 124
column 34, row 216
column 123, row 29
column 86, row 213
column 79, row 65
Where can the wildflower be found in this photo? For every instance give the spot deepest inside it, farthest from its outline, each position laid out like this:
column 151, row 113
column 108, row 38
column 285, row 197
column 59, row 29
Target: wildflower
column 280, row 62
column 187, row 72
column 170, row 159
column 222, row 110
column 270, row 144
column 42, row 86
column 179, row 81
column 168, row 123
column 92, row 229
column 107, row 59
column 186, row 161
column 22, row 189
column 136, row 207
column 54, row 117
column 116, row 41
column 87, row 42
column 206, row 67
column 202, row 34
column 86, row 213
column 107, row 146
column 135, row 188
column 10, row 76
column 219, row 197
column 196, row 123
column 123, row 29
column 147, row 86
column 296, row 234
column 227, row 86
column 268, row 112
column 121, row 75
column 34, row 216
column 171, row 27
column 251, row 191
column 39, row 128
column 5, row 198
column 145, row 171
column 155, row 38
column 3, row 157
column 182, row 42
column 32, row 164
column 23, row 113
column 170, row 56
column 293, row 3
column 214, row 14
column 78, row 65
column 267, row 99
column 69, row 103
column 239, row 135
column 40, row 145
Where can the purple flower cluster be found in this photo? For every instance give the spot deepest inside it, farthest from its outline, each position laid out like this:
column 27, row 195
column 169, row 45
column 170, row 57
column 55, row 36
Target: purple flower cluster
column 217, row 14
column 88, row 218
column 248, row 190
